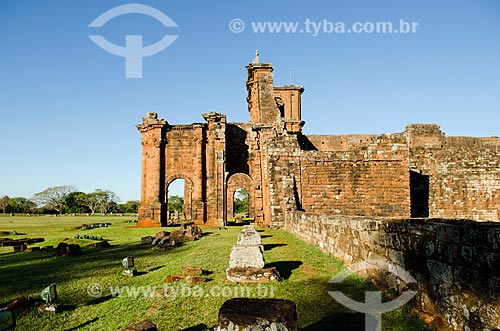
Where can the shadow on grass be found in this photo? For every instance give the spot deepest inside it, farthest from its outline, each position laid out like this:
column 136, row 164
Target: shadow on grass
column 319, row 311
column 83, row 324
column 266, row 236
column 97, row 301
column 339, row 321
column 63, row 308
column 26, row 273
column 285, row 268
column 199, row 327
column 206, row 272
column 268, row 247
column 238, row 224
column 155, row 268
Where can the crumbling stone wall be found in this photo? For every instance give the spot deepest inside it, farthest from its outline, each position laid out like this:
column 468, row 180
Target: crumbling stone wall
column 315, row 186
column 462, row 173
column 455, row 262
column 280, row 154
column 355, row 187
column 416, row 173
column 183, row 145
column 195, row 153
column 370, row 178
column 337, row 142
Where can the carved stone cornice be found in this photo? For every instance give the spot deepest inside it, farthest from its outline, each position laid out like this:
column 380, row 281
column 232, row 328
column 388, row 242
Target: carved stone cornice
column 151, row 121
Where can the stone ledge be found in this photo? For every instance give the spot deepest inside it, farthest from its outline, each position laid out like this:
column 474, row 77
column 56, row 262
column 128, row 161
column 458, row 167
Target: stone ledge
column 252, row 275
column 245, row 314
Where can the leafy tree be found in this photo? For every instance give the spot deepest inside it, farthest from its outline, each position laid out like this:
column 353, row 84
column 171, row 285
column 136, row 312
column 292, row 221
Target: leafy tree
column 74, row 203
column 175, row 203
column 21, row 205
column 129, row 207
column 4, row 203
column 101, row 200
column 91, row 201
column 241, row 201
column 54, row 197
column 108, row 200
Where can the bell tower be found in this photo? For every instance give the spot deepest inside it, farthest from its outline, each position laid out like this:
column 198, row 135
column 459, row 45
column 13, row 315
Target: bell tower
column 261, row 100
column 271, row 105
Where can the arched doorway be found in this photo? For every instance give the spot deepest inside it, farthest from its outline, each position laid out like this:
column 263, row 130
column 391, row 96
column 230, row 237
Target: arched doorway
column 235, row 186
column 241, row 203
column 178, row 198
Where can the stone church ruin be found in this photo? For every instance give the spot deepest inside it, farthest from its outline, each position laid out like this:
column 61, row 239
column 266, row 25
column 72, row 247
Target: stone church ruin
column 420, row 172
column 418, row 200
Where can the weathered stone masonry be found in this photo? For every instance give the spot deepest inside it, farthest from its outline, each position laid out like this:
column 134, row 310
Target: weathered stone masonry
column 417, row 173
column 216, row 158
column 455, row 262
column 353, row 195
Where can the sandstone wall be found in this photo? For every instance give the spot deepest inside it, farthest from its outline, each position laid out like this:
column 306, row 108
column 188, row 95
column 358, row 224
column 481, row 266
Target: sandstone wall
column 456, row 263
column 371, row 179
column 338, row 142
column 184, row 160
column 354, row 187
column 462, row 173
column 181, row 153
column 281, row 169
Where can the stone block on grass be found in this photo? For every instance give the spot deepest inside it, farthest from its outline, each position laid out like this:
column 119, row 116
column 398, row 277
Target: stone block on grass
column 249, row 237
column 246, row 257
column 174, row 278
column 245, row 314
column 101, row 244
column 252, row 275
column 148, row 240
column 193, row 271
column 141, row 326
column 20, row 248
column 195, row 280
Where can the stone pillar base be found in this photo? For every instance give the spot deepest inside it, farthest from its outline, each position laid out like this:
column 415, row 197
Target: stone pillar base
column 252, row 275
column 152, row 215
column 258, row 314
column 141, row 326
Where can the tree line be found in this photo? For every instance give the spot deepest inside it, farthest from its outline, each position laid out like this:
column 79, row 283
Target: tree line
column 66, row 199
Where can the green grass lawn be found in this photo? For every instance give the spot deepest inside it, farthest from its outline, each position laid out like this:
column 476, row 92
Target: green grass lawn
column 305, row 269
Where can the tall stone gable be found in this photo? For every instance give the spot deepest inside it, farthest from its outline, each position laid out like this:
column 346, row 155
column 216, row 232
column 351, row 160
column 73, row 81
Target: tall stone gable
column 416, row 173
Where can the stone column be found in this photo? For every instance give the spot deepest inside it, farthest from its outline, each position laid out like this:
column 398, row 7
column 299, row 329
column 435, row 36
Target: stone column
column 257, row 179
column 198, row 204
column 216, row 167
column 152, row 206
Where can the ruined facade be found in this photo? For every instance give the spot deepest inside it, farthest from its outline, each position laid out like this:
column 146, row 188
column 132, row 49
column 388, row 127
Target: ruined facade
column 416, row 173
column 418, row 200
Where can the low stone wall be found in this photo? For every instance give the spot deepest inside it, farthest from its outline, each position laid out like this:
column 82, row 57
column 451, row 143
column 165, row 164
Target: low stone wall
column 456, row 263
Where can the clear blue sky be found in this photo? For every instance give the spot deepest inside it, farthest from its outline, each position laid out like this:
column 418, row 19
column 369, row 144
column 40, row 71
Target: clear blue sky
column 68, row 114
